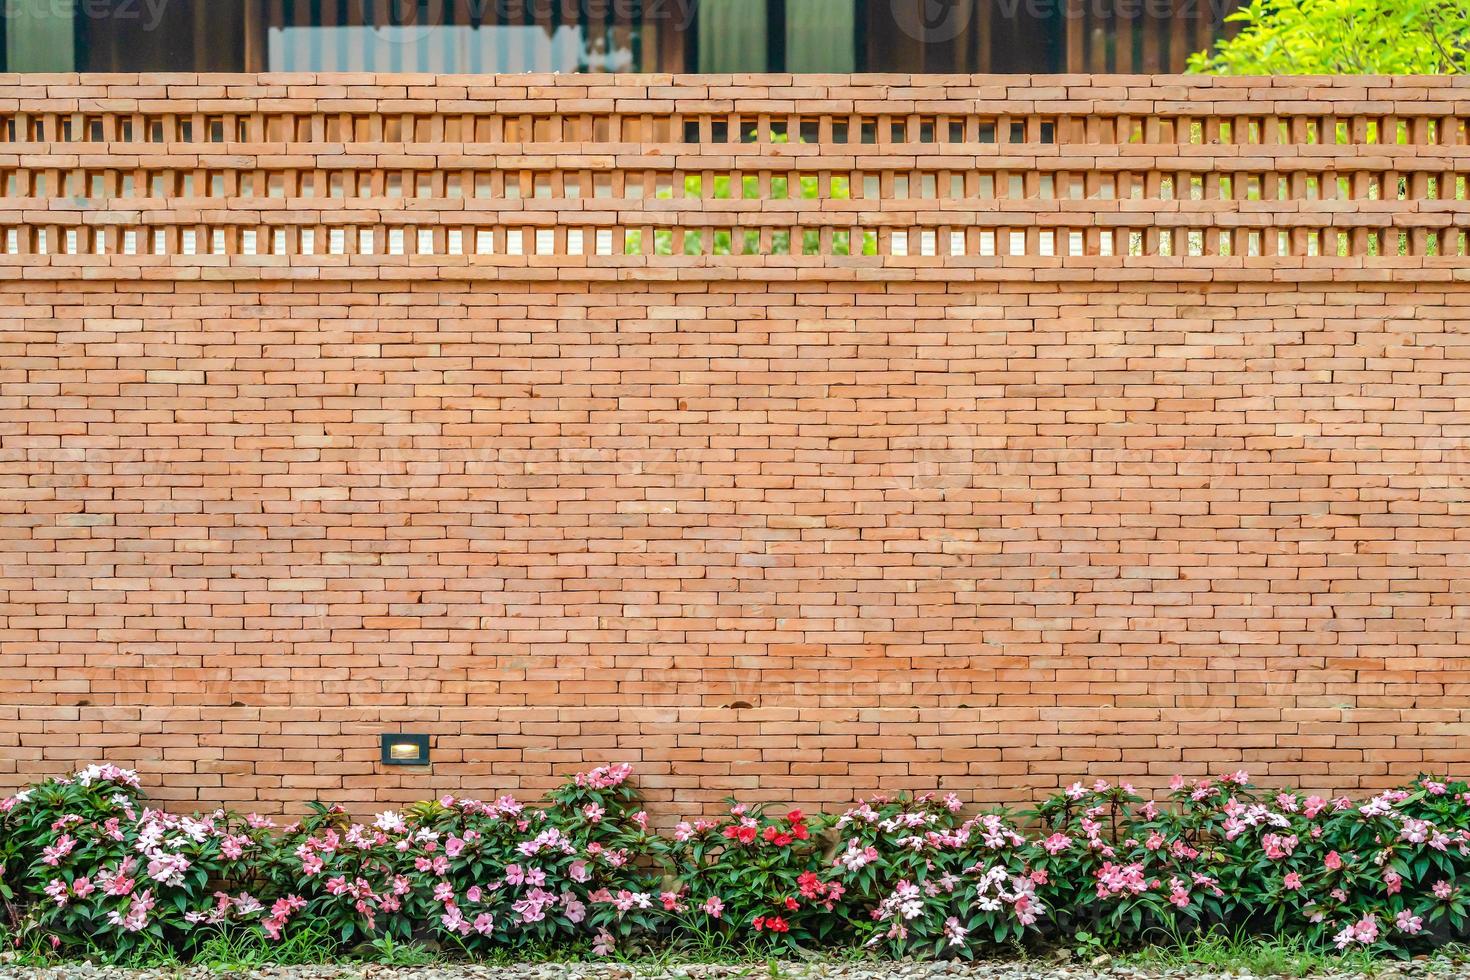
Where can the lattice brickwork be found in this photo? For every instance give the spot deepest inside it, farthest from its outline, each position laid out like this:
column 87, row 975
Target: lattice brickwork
column 1030, row 428
column 967, row 171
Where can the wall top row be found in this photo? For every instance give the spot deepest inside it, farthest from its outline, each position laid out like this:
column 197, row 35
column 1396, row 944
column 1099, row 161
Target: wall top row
column 1308, row 86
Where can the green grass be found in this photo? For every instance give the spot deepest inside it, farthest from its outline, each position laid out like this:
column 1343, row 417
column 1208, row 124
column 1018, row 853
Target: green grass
column 535, row 953
column 32, row 951
column 148, row 953
column 390, row 953
column 233, row 950
column 1220, row 951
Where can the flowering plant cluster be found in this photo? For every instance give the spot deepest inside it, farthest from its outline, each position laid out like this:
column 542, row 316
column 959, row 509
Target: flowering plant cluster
column 757, row 874
column 931, row 882
column 85, row 857
column 86, row 861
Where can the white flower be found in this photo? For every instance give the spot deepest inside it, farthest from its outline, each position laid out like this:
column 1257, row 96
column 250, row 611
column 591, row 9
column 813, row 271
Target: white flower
column 390, row 822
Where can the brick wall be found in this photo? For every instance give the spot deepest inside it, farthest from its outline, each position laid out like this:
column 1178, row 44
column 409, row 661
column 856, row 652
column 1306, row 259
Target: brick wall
column 987, row 432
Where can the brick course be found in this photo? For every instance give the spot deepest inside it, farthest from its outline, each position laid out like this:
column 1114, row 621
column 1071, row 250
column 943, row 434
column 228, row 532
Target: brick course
column 795, row 526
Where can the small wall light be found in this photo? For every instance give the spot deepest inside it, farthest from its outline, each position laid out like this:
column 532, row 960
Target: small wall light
column 405, row 750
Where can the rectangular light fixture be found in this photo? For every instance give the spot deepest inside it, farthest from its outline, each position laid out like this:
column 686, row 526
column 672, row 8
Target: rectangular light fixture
column 405, row 750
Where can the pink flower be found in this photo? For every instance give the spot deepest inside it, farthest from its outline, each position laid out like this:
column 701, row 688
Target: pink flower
column 1393, row 882
column 473, row 893
column 856, row 856
column 1027, row 909
column 1333, row 861
column 453, row 921
column 56, row 888
column 532, row 908
column 1408, row 922
column 605, row 777
column 1292, row 881
column 119, row 882
column 281, row 911
column 1364, row 932
column 1114, row 879
column 167, row 868
column 484, row 923
column 714, row 907
column 54, row 854
column 453, row 847
column 1278, row 846
column 1056, row 843
column 136, row 917
column 1442, row 889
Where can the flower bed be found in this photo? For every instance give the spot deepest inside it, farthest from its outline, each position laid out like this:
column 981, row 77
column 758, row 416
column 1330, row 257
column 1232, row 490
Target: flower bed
column 86, row 862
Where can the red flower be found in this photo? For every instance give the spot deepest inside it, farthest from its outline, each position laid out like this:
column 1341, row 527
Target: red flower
column 811, row 886
column 777, row 837
column 777, row 924
column 795, row 816
column 744, row 835
column 759, row 922
column 792, row 905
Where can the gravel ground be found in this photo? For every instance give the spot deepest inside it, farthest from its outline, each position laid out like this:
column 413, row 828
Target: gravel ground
column 1413, row 970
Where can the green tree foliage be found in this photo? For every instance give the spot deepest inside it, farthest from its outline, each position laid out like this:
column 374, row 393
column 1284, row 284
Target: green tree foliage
column 1344, row 37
